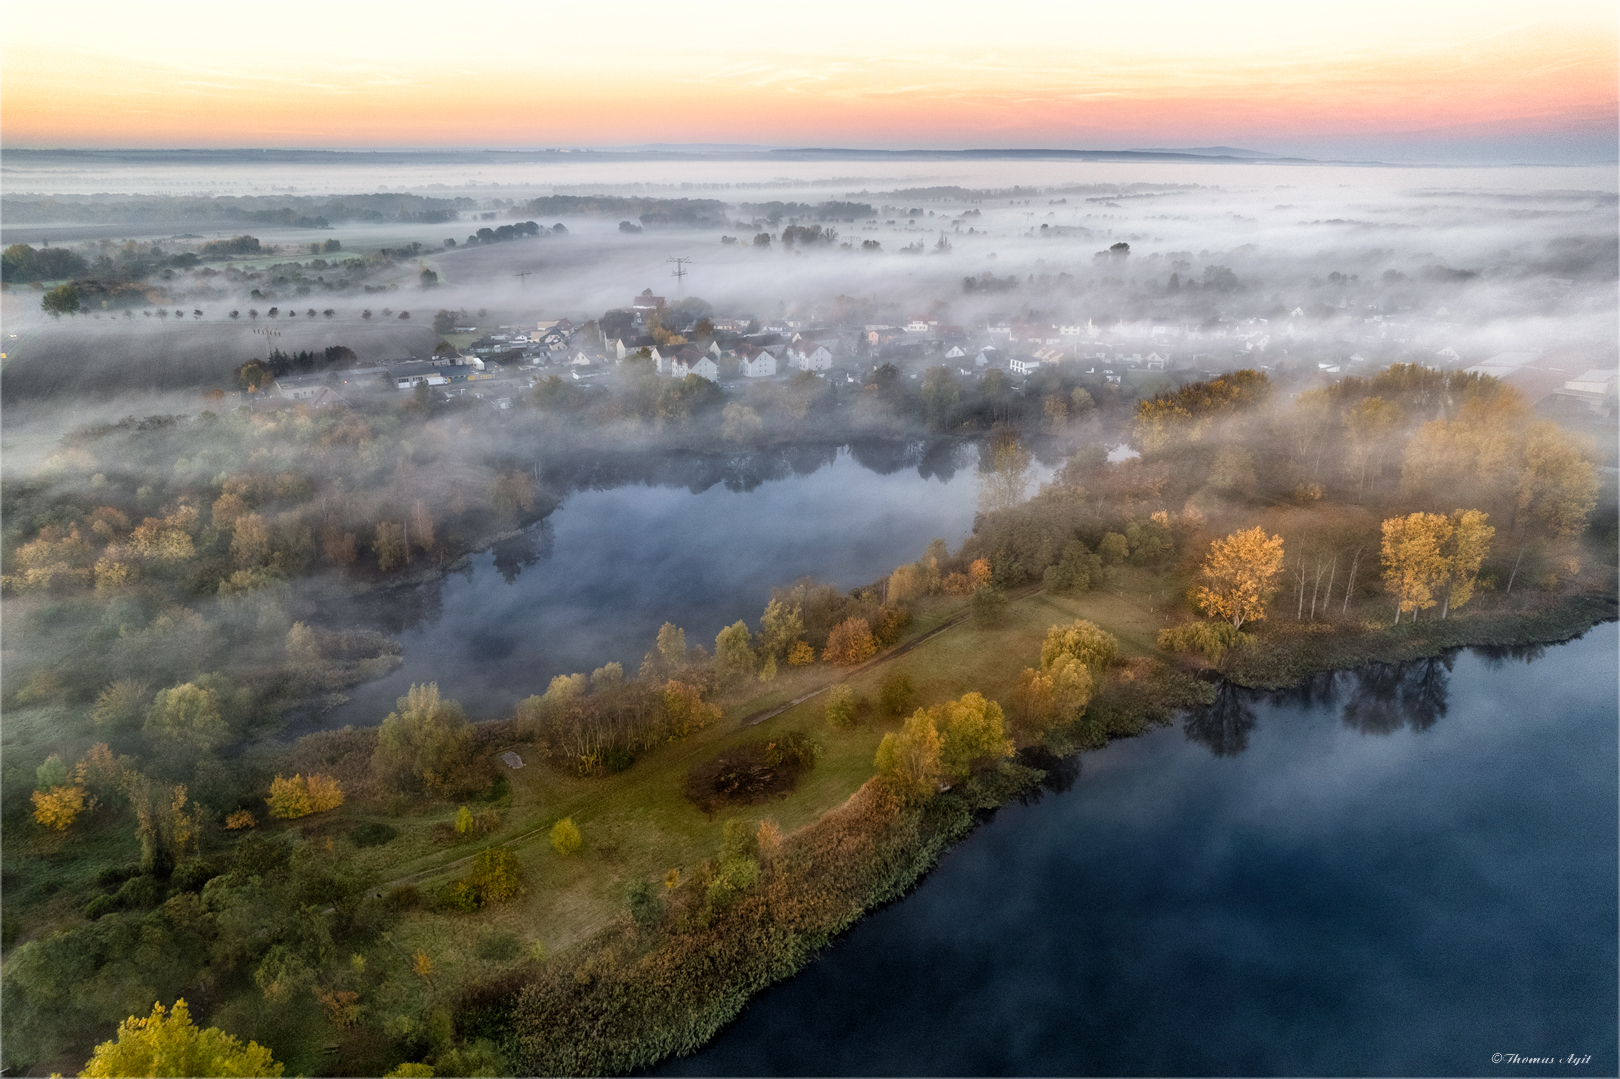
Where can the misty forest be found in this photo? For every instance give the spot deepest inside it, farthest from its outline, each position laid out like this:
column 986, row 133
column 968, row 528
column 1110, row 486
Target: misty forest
column 496, row 614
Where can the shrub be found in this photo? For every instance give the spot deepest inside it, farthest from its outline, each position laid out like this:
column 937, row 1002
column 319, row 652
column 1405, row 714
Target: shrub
column 241, row 818
column 1212, row 640
column 1113, row 549
column 493, row 878
column 58, row 807
column 896, row 694
column 1076, row 570
column 888, row 623
column 374, row 834
column 850, row 643
column 191, row 875
column 499, row 947
column 840, row 710
column 299, row 797
column 957, row 584
column 646, row 905
column 1085, row 641
column 751, row 773
column 801, row 655
column 565, row 837
column 989, row 605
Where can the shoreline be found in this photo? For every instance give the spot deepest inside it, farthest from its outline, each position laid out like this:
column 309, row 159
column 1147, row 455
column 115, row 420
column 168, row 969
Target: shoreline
column 626, row 998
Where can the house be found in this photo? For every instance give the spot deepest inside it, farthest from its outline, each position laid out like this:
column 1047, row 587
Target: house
column 409, row 374
column 918, row 324
column 989, row 356
column 646, row 302
column 689, row 360
column 299, row 387
column 807, row 358
column 755, row 362
column 955, row 352
column 1596, row 388
column 580, row 358
column 1156, row 362
column 817, row 359
column 1449, row 353
column 1023, row 365
column 1048, row 354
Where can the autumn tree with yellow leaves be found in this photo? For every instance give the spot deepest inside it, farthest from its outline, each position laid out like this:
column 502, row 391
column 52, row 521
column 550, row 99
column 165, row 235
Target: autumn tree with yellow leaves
column 168, row 1043
column 1240, row 573
column 1414, row 560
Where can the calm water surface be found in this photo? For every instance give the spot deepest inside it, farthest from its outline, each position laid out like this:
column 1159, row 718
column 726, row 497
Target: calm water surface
column 596, row 580
column 1399, row 871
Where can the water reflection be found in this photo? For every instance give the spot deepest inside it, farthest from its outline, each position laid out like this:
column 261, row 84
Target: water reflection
column 1379, row 698
column 524, row 549
column 1225, row 725
column 632, row 546
column 746, row 470
column 1388, row 696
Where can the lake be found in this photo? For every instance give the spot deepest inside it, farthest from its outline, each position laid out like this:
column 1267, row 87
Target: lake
column 696, row 541
column 1399, row 870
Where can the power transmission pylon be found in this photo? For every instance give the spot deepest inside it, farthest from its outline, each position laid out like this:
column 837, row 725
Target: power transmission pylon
column 524, row 276
column 679, row 271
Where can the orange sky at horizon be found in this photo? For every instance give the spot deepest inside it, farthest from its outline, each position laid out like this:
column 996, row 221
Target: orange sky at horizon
column 201, row 73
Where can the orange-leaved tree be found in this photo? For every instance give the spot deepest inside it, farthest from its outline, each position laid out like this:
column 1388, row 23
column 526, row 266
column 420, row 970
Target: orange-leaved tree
column 850, row 643
column 1240, row 572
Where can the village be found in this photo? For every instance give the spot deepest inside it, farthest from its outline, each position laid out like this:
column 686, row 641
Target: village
column 496, row 363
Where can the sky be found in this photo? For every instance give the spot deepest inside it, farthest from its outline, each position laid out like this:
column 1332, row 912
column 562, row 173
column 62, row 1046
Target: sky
column 1407, row 81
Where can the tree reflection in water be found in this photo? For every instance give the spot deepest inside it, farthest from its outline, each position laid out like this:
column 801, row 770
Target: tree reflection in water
column 1381, row 698
column 524, row 549
column 1225, row 725
column 1388, row 696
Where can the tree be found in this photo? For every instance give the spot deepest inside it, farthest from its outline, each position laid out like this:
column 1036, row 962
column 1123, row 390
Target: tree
column 250, row 540
column 1075, row 571
column 61, row 300
column 671, row 645
column 425, row 742
column 1470, row 543
column 187, row 713
column 910, row 759
column 733, row 651
column 1414, row 562
column 565, row 837
column 780, row 627
column 739, row 423
column 169, row 1044
column 464, row 821
column 1558, row 486
column 973, row 729
column 1240, row 572
column 1090, row 644
column 801, row 655
column 850, row 643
